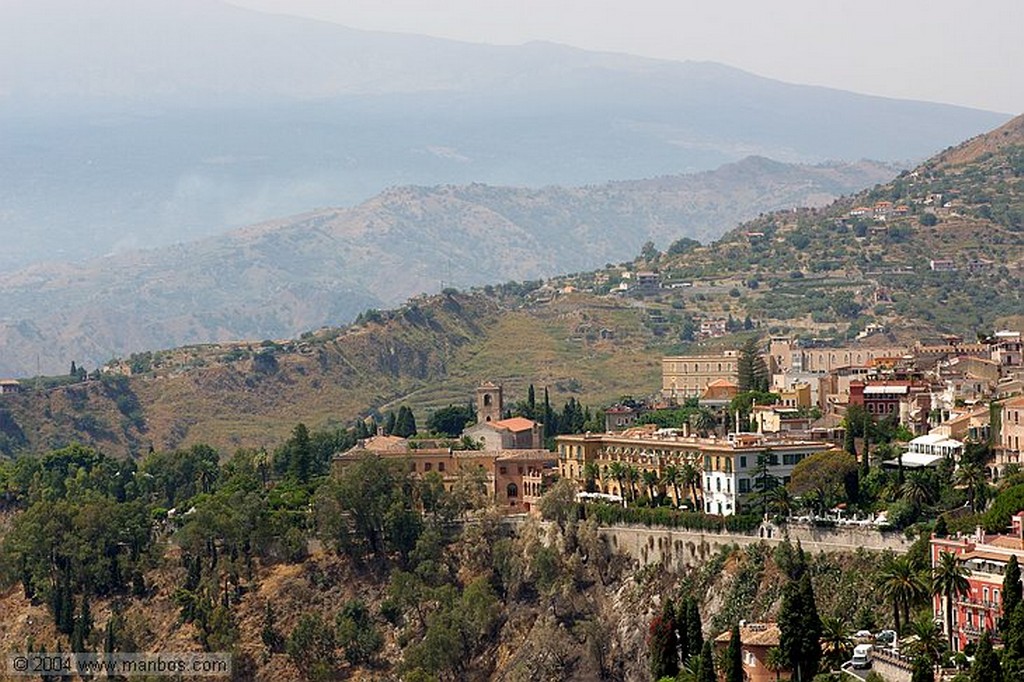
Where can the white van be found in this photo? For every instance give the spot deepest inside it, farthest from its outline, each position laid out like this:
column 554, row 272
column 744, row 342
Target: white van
column 861, row 656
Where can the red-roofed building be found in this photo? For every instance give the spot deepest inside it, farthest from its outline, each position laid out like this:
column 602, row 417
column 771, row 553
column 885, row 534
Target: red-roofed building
column 516, row 433
column 756, row 640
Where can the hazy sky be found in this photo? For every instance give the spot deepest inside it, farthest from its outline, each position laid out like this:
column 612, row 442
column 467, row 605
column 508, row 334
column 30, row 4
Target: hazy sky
column 968, row 53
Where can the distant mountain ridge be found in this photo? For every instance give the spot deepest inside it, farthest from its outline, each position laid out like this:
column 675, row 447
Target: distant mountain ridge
column 138, row 124
column 283, row 277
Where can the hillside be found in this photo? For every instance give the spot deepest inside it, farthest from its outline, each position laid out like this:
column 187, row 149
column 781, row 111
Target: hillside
column 169, row 120
column 284, row 277
column 821, row 273
column 428, row 354
column 940, row 248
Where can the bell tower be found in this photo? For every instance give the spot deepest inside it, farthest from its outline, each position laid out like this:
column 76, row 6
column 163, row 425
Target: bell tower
column 489, row 405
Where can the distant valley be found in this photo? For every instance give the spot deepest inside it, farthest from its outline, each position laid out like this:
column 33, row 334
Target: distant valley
column 280, row 278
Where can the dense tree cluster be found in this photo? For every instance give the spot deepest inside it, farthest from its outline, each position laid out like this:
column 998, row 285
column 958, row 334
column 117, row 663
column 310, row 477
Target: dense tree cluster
column 675, row 641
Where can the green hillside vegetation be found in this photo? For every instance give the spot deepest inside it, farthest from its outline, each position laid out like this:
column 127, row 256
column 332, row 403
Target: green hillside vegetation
column 302, row 573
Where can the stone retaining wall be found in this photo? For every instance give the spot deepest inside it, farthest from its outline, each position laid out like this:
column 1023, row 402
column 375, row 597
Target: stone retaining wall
column 678, row 548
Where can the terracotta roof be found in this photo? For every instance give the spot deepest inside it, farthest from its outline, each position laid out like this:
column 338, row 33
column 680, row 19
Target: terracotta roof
column 725, row 383
column 755, row 634
column 982, row 554
column 1015, row 402
column 385, row 444
column 1006, row 541
column 515, row 424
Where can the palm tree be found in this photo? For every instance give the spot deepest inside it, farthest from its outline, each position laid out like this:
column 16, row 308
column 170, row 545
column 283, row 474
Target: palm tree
column 928, row 642
column 971, row 475
column 650, row 479
column 672, row 476
column 776, row 661
column 949, row 580
column 836, row 645
column 917, row 490
column 780, row 500
column 261, row 460
column 617, row 472
column 632, row 477
column 591, row 472
column 703, row 421
column 904, row 586
column 691, row 476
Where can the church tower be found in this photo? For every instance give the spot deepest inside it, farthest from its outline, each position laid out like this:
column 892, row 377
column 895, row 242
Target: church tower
column 489, row 405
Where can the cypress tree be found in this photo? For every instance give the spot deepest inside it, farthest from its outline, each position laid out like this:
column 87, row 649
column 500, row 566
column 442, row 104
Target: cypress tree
column 82, row 628
column 110, row 636
column 272, row 638
column 706, row 670
column 662, row 644
column 986, row 666
column 405, row 423
column 800, row 628
column 531, row 402
column 300, row 454
column 694, row 631
column 1013, row 639
column 1011, row 590
column 682, row 629
column 389, row 423
column 734, row 657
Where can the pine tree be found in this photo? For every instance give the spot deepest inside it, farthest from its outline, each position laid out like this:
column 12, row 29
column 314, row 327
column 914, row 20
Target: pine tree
column 734, row 657
column 986, row 667
column 751, row 368
column 662, row 644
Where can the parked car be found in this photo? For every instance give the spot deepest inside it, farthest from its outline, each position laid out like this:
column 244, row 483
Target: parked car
column 861, row 656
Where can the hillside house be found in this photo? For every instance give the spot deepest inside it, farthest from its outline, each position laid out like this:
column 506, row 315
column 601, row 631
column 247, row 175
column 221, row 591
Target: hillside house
column 9, row 386
column 756, row 640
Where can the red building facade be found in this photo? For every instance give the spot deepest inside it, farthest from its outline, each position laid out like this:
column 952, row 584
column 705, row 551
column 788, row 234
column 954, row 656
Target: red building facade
column 986, row 556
